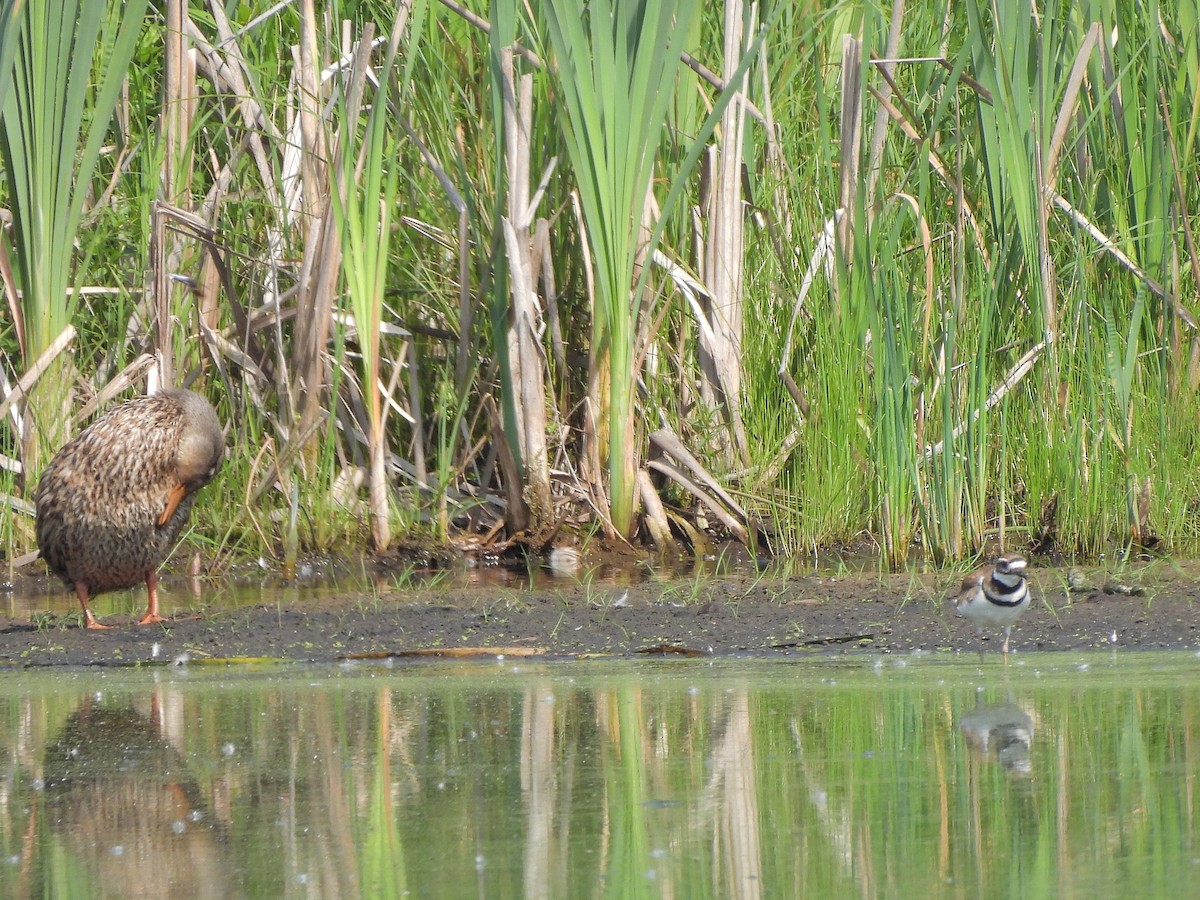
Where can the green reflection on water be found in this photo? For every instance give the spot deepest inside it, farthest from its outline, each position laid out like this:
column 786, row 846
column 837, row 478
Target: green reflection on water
column 865, row 777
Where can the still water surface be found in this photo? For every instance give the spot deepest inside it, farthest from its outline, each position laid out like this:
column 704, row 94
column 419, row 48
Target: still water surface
column 918, row 777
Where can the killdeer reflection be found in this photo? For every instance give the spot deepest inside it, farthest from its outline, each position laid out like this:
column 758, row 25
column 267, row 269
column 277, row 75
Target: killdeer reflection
column 995, row 595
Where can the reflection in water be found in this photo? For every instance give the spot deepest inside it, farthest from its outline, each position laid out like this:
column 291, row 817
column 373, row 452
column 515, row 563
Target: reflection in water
column 822, row 778
column 999, row 733
column 317, row 581
column 120, row 798
column 737, row 799
column 1002, row 731
column 539, row 788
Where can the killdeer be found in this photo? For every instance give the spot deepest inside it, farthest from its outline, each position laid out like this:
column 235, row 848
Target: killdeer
column 995, row 595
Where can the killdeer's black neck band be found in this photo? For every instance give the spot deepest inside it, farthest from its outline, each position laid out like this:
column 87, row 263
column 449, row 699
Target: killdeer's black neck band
column 1008, row 597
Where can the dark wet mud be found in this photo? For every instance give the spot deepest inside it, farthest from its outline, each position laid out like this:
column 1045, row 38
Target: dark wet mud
column 796, row 616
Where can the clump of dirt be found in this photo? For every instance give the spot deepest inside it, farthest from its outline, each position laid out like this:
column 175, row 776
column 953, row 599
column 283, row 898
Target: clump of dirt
column 797, row 616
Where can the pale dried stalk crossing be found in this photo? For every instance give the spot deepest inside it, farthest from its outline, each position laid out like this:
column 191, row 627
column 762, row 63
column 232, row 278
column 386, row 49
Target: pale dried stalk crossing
column 320, row 241
column 724, row 254
column 525, row 356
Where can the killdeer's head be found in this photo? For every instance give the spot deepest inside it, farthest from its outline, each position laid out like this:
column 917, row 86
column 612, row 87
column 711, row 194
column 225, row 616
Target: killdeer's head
column 1010, row 564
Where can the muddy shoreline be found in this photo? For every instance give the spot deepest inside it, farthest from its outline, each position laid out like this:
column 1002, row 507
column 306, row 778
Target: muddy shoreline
column 786, row 617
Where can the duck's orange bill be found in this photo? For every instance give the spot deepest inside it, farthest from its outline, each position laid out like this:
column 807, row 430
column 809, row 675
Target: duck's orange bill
column 173, row 500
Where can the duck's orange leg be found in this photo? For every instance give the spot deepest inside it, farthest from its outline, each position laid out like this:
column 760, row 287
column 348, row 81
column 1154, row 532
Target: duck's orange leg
column 151, row 615
column 89, row 618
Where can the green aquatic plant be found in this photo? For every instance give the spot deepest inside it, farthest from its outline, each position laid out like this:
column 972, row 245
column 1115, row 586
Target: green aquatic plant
column 56, row 118
column 616, row 66
column 993, row 199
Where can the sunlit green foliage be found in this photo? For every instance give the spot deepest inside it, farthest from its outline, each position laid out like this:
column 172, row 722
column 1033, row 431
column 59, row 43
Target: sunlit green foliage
column 999, row 348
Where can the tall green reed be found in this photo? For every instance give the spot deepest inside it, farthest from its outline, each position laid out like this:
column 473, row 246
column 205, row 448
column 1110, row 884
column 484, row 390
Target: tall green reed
column 1016, row 63
column 370, row 179
column 11, row 23
column 1121, row 363
column 616, row 66
column 55, row 121
column 894, row 337
column 1033, row 126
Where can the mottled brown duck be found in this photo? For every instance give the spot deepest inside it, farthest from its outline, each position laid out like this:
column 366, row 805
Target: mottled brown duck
column 114, row 499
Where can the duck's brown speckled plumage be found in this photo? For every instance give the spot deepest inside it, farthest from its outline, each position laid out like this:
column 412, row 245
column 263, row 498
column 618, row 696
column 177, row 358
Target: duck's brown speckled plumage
column 101, row 499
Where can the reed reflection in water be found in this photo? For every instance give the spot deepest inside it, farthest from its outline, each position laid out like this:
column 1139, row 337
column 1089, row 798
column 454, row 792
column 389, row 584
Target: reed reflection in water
column 737, row 779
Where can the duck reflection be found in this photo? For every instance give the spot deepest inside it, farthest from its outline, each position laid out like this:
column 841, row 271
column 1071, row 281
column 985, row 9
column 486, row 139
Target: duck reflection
column 119, row 796
column 1002, row 731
